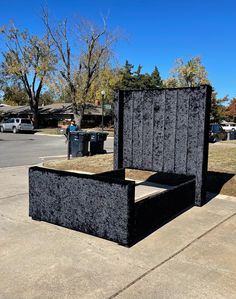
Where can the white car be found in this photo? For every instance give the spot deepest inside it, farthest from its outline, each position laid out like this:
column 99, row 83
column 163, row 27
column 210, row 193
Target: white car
column 16, row 125
column 228, row 127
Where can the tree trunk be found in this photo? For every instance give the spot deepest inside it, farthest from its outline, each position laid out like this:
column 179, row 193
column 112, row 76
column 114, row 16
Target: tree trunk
column 36, row 119
column 34, row 105
column 80, row 117
column 77, row 112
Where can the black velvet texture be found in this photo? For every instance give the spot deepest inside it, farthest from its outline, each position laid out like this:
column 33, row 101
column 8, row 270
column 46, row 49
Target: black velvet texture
column 103, row 205
column 100, row 206
column 156, row 210
column 164, row 130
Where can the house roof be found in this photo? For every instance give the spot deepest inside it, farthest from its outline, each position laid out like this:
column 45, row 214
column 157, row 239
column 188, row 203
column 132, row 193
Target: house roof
column 55, row 108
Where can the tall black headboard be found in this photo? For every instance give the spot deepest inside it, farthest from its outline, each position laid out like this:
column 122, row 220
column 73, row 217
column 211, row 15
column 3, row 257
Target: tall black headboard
column 164, row 130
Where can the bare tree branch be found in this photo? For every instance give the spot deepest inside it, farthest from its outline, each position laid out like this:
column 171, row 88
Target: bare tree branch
column 95, row 44
column 28, row 60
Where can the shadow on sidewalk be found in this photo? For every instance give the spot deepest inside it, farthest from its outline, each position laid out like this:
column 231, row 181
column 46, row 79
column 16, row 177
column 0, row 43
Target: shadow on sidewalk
column 216, row 181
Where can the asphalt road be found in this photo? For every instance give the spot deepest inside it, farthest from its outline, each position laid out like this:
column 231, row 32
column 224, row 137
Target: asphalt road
column 30, row 149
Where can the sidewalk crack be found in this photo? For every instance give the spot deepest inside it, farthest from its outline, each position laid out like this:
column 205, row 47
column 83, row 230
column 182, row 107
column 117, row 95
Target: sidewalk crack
column 2, row 198
column 170, row 257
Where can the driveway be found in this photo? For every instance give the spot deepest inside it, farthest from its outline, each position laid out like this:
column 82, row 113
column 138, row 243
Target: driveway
column 29, row 149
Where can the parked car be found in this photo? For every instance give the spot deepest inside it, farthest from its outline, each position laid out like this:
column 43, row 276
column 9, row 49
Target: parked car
column 16, row 125
column 217, row 133
column 229, row 126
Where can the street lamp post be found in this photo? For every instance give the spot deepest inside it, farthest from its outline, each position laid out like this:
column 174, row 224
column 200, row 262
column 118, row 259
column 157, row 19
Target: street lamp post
column 103, row 96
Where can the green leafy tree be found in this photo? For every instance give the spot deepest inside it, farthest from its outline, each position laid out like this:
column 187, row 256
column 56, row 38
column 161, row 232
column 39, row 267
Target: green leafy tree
column 156, row 78
column 189, row 74
column 107, row 81
column 126, row 77
column 28, row 60
column 15, row 95
column 217, row 107
column 171, row 82
column 136, row 80
column 46, row 98
column 142, row 81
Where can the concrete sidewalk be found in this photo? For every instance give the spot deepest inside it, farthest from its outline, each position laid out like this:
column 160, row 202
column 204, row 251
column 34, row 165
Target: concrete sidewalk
column 193, row 256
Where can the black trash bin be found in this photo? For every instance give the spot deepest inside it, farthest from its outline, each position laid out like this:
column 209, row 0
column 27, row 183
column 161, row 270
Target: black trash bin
column 231, row 135
column 78, row 144
column 97, row 142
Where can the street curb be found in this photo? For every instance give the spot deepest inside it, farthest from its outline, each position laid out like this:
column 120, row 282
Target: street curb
column 44, row 134
column 26, row 165
column 60, row 135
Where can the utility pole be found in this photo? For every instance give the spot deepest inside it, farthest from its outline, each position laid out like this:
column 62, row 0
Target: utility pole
column 103, row 97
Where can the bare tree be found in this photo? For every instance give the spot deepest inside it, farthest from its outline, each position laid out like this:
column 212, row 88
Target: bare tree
column 28, row 59
column 80, row 72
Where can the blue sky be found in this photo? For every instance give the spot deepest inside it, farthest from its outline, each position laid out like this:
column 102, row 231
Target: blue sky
column 157, row 32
